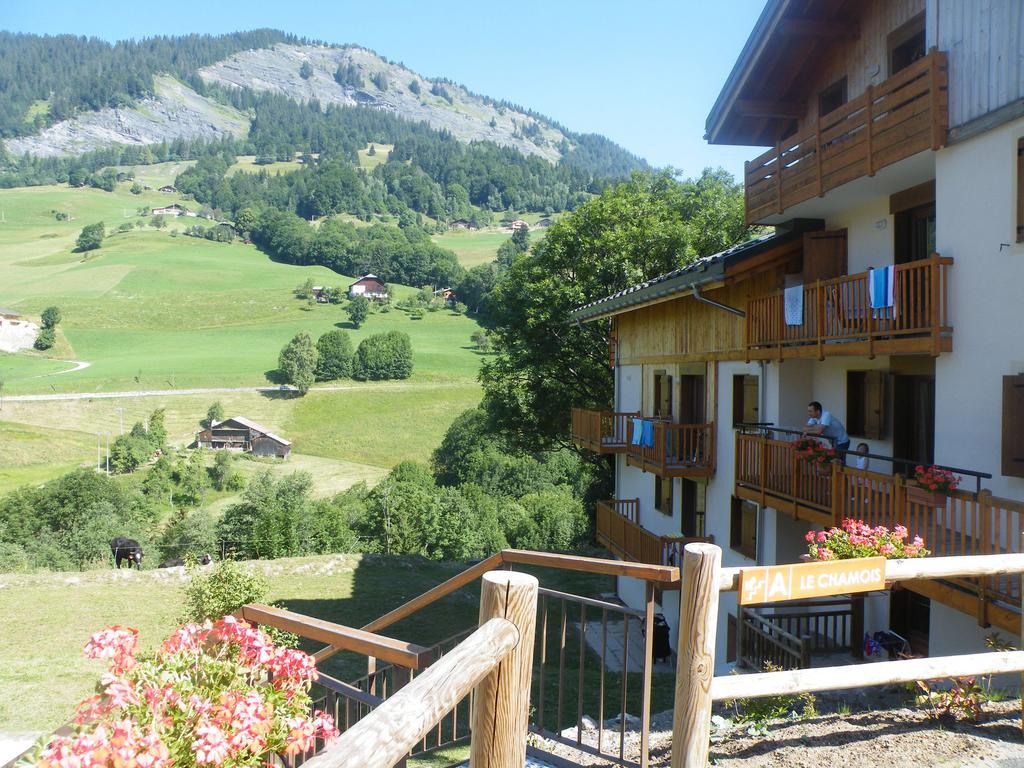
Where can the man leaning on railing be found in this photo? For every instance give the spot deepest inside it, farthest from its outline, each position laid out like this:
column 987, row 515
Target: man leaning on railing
column 823, row 424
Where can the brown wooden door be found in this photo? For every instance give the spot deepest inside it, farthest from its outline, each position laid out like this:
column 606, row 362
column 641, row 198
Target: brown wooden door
column 1013, row 426
column 824, row 255
column 913, row 418
column 910, row 617
column 691, row 399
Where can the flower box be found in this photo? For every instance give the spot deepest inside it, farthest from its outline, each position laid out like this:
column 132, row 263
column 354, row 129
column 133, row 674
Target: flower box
column 925, row 497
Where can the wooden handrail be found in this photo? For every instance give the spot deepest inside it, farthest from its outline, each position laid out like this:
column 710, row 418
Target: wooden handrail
column 338, row 636
column 658, row 574
column 383, row 738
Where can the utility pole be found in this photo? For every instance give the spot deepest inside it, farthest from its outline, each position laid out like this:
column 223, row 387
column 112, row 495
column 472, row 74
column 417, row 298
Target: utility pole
column 108, row 454
column 121, row 413
column 99, row 453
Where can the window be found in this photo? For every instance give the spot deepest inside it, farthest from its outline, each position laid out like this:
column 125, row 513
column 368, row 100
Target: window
column 865, row 404
column 906, row 44
column 743, row 528
column 1013, row 426
column 662, row 395
column 832, row 98
column 663, row 495
column 745, row 396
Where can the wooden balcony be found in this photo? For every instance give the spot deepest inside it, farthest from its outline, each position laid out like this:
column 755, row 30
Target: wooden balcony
column 619, row 529
column 677, row 450
column 838, row 318
column 904, row 115
column 601, row 431
column 770, row 473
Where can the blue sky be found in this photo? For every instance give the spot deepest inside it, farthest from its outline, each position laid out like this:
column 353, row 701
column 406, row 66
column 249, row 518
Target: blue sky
column 645, row 74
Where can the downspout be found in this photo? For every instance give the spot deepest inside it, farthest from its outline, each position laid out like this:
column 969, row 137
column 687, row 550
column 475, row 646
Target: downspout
column 705, row 300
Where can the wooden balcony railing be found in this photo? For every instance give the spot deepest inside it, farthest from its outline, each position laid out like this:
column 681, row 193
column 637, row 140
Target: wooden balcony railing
column 601, row 431
column 619, row 529
column 677, row 450
column 838, row 318
column 769, row 472
column 904, row 115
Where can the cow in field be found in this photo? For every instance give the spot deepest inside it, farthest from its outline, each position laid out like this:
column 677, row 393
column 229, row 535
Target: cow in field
column 126, row 549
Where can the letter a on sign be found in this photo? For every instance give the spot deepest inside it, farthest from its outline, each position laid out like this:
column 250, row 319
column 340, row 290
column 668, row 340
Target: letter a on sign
column 775, row 583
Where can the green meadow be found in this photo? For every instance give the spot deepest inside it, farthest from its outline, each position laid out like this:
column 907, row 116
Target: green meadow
column 472, row 247
column 154, row 310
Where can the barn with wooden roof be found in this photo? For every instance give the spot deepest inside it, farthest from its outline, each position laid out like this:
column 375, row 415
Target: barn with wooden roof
column 240, row 434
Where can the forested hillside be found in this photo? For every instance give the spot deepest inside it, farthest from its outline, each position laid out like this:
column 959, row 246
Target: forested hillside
column 45, row 79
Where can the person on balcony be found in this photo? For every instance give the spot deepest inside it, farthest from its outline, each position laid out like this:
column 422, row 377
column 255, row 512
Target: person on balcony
column 823, row 424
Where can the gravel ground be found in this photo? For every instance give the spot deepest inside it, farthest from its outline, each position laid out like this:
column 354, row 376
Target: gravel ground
column 897, row 735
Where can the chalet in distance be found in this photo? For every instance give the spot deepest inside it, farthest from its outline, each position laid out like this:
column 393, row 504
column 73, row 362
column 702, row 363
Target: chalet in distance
column 167, row 189
column 240, row 434
column 370, row 286
column 170, row 210
column 893, row 180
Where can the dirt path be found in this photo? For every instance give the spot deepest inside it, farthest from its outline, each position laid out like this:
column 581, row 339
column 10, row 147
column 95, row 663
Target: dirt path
column 283, row 389
column 80, row 365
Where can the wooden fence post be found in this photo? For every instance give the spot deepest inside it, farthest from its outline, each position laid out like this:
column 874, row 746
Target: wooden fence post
column 698, row 624
column 501, row 706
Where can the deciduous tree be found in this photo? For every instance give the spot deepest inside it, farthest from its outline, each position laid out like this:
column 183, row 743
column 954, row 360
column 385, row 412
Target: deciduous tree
column 297, row 362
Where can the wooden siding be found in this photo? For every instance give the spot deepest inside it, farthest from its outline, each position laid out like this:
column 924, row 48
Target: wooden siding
column 685, row 330
column 856, row 59
column 984, row 39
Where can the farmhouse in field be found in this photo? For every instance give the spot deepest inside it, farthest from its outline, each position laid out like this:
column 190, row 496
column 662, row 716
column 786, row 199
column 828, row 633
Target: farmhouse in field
column 370, row 286
column 519, row 224
column 321, row 294
column 170, row 210
column 545, row 223
column 240, row 434
column 8, row 314
column 462, row 224
column 447, row 294
column 167, row 188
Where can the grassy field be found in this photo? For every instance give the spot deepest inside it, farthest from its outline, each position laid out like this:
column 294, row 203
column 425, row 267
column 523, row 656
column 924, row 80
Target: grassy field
column 248, row 164
column 155, row 311
column 472, row 248
column 41, row 681
column 380, row 156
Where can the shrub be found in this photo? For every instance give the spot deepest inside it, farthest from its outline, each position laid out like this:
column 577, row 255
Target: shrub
column 214, row 414
column 45, row 339
column 13, row 558
column 225, row 589
column 560, row 519
column 192, row 535
column 297, row 362
column 383, row 356
column 334, row 356
column 223, row 474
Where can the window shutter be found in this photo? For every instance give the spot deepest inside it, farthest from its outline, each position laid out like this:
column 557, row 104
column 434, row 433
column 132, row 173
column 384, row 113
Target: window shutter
column 874, row 405
column 1013, row 426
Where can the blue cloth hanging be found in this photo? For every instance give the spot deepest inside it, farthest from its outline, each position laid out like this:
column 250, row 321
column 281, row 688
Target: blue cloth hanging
column 648, row 435
column 638, row 432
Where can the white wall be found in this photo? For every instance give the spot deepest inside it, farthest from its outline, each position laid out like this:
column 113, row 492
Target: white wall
column 975, row 213
column 869, row 234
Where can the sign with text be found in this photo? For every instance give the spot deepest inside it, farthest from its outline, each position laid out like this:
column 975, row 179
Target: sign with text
column 774, row 583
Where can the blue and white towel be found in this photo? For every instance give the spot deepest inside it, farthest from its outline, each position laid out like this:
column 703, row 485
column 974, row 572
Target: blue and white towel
column 880, row 287
column 793, row 305
column 638, row 432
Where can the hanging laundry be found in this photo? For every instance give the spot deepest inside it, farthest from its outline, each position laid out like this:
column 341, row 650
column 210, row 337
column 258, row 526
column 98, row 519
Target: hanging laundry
column 880, row 287
column 793, row 305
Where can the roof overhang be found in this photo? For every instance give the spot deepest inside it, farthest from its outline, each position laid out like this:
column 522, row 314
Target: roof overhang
column 708, row 272
column 764, row 92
